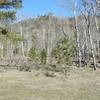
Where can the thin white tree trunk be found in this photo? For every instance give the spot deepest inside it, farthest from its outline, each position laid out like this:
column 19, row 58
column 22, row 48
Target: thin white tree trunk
column 2, row 51
column 22, row 45
column 11, row 46
column 91, row 40
column 76, row 25
column 43, row 41
column 7, row 48
column 86, row 50
column 97, row 28
column 48, row 41
column 92, row 50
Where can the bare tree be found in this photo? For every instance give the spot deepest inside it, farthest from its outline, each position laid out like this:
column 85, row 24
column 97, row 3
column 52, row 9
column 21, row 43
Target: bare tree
column 87, row 16
column 49, row 39
column 95, row 11
column 22, row 44
column 76, row 27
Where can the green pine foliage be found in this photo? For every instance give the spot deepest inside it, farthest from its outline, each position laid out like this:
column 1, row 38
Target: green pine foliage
column 8, row 8
column 64, row 51
column 12, row 37
column 63, row 54
column 39, row 56
column 34, row 54
column 43, row 56
column 11, row 4
column 7, row 15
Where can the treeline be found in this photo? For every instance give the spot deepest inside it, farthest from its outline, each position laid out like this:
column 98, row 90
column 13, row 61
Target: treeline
column 57, row 43
column 85, row 30
column 49, row 41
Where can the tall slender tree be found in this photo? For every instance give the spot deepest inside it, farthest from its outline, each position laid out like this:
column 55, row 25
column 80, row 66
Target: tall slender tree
column 88, row 12
column 7, row 15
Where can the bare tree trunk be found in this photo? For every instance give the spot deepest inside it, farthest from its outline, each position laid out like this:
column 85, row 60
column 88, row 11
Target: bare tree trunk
column 43, row 38
column 87, row 16
column 7, row 48
column 97, row 28
column 92, row 50
column 11, row 46
column 76, row 27
column 91, row 42
column 48, row 41
column 22, row 44
column 86, row 43
column 2, row 51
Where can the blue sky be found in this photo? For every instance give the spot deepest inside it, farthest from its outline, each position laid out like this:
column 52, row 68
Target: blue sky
column 33, row 8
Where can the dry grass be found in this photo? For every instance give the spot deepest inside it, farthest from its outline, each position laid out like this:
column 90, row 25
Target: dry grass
column 80, row 85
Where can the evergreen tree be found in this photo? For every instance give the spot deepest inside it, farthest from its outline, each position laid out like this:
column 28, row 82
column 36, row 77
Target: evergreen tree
column 7, row 15
column 7, row 9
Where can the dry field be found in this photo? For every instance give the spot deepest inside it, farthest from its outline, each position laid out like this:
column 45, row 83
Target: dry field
column 80, row 85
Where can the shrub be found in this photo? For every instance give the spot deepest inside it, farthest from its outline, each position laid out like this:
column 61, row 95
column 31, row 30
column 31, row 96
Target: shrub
column 43, row 56
column 64, row 51
column 34, row 54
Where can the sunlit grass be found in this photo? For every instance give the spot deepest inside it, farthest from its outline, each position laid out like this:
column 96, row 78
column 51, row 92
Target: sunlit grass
column 26, row 86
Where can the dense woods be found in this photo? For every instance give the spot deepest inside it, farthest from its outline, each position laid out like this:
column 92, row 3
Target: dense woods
column 51, row 41
column 50, row 56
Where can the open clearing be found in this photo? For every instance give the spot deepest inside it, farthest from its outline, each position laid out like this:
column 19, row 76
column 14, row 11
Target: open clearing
column 80, row 85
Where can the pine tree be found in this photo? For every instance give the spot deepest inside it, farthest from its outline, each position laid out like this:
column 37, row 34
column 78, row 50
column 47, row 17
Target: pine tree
column 7, row 9
column 7, row 15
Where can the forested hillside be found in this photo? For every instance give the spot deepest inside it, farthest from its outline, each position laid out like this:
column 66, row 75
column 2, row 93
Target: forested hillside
column 49, row 49
column 51, row 40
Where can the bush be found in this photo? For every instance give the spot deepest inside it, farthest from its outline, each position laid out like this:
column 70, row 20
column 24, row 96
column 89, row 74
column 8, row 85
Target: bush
column 63, row 54
column 43, row 56
column 64, row 51
column 34, row 54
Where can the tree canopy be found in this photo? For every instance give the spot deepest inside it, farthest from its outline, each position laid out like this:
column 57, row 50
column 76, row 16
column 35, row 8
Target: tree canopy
column 8, row 7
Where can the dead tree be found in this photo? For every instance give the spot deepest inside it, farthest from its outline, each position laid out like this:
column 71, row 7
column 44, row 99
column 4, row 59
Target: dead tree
column 87, row 17
column 95, row 11
column 76, row 27
column 22, row 44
